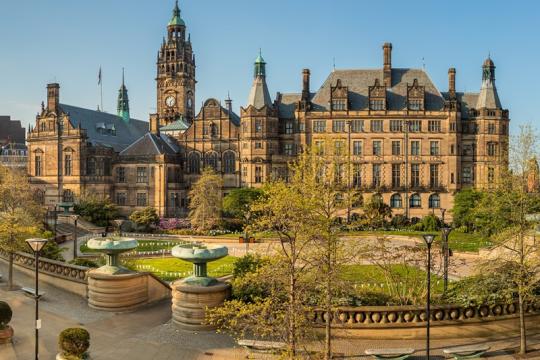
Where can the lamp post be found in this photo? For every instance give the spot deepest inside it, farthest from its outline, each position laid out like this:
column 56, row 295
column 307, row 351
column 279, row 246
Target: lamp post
column 55, row 219
column 428, row 238
column 37, row 245
column 443, row 211
column 75, row 236
column 446, row 253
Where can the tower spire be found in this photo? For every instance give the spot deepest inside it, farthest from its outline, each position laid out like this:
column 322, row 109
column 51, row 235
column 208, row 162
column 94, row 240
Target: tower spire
column 259, row 95
column 488, row 97
column 123, row 101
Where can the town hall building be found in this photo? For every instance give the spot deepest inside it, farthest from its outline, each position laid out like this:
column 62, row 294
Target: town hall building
column 405, row 140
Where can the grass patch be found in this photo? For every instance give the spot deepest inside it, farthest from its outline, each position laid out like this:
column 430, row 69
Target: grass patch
column 169, row 268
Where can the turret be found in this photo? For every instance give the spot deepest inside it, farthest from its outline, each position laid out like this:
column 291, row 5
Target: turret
column 259, row 95
column 123, row 101
column 488, row 98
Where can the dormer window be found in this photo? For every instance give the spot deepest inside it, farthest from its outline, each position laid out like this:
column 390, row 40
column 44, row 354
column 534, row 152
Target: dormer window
column 110, row 129
column 339, row 97
column 377, row 97
column 339, row 105
column 376, row 105
column 415, row 105
column 415, row 96
column 100, row 128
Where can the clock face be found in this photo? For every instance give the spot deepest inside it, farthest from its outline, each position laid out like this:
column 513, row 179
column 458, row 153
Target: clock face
column 170, row 101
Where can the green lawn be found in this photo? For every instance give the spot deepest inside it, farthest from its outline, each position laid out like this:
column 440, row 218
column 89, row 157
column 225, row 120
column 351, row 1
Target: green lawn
column 170, row 269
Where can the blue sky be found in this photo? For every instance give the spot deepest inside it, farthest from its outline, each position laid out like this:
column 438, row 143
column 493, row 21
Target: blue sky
column 67, row 41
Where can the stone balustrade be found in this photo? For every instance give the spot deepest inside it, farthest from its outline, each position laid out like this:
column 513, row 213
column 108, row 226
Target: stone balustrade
column 374, row 317
column 50, row 267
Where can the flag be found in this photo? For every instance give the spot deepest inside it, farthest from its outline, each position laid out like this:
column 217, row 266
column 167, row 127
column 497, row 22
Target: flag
column 99, row 76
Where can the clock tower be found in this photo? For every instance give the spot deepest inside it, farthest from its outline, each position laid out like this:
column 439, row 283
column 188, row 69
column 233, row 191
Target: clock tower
column 175, row 73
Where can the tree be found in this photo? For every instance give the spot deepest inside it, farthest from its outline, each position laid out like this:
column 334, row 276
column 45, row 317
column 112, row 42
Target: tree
column 20, row 215
column 146, row 218
column 465, row 203
column 237, row 203
column 97, row 210
column 206, row 201
column 506, row 211
column 376, row 212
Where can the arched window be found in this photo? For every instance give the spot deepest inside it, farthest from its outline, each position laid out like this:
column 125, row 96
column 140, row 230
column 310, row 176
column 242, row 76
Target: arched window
column 194, row 163
column 415, row 201
column 211, row 160
column 434, row 201
column 67, row 196
column 229, row 162
column 395, row 201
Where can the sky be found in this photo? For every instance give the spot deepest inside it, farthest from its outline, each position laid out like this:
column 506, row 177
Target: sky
column 66, row 41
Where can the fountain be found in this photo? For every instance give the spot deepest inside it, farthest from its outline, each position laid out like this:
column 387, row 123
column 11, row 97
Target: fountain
column 112, row 287
column 194, row 294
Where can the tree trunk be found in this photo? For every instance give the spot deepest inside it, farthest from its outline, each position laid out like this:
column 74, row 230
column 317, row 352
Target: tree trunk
column 10, row 271
column 328, row 309
column 292, row 315
column 522, row 329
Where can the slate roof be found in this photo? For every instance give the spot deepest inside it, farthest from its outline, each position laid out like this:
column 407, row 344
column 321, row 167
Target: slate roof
column 91, row 120
column 488, row 97
column 151, row 144
column 287, row 105
column 178, row 125
column 259, row 95
column 359, row 81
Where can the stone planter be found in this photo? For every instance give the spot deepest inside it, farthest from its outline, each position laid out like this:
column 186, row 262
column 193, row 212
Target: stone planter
column 6, row 335
column 117, row 292
column 190, row 302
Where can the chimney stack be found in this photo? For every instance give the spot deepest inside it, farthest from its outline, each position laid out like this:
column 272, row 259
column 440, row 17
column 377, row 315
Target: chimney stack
column 452, row 82
column 154, row 124
column 305, row 84
column 53, row 97
column 387, row 70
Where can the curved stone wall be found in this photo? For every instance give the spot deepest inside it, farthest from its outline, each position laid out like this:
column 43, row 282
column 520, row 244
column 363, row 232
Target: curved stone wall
column 117, row 292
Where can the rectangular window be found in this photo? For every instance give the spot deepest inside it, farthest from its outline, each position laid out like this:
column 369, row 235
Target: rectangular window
column 415, row 175
column 396, row 126
column 415, row 147
column 376, row 175
column 37, row 165
column 467, row 175
column 319, row 126
column 357, row 148
column 319, row 147
column 258, row 145
column 492, row 149
column 396, row 175
column 377, row 147
column 120, row 174
column 245, row 127
column 357, row 175
column 376, row 125
column 244, row 171
column 142, row 175
column 258, row 175
column 434, row 126
column 491, row 128
column 491, row 175
column 289, row 127
column 338, row 126
column 357, row 126
column 107, row 167
column 415, row 104
column 434, row 148
column 258, row 126
column 434, row 175
column 121, row 198
column 415, row 125
column 339, row 105
column 141, row 199
column 338, row 147
column 452, row 149
column 67, row 165
column 396, row 147
column 376, row 104
column 453, row 126
column 288, row 149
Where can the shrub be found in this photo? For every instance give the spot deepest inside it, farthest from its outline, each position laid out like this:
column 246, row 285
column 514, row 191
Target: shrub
column 74, row 342
column 146, row 217
column 5, row 314
column 173, row 224
column 52, row 251
column 231, row 224
column 97, row 211
column 428, row 223
column 84, row 262
column 249, row 263
column 400, row 222
column 372, row 298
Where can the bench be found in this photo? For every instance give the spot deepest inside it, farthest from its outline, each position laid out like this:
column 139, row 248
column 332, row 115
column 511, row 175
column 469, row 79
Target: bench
column 267, row 346
column 32, row 292
column 394, row 354
column 467, row 351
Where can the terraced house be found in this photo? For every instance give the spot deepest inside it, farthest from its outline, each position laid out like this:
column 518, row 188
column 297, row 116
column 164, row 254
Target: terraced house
column 404, row 139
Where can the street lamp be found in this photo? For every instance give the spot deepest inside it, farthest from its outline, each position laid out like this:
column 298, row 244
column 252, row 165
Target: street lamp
column 428, row 238
column 75, row 236
column 446, row 253
column 443, row 211
column 37, row 245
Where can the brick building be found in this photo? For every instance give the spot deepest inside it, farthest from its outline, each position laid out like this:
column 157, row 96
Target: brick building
column 406, row 141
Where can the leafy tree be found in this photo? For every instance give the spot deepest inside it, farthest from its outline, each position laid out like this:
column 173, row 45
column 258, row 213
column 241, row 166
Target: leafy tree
column 237, row 203
column 376, row 212
column 97, row 210
column 465, row 203
column 506, row 211
column 20, row 215
column 146, row 218
column 206, row 201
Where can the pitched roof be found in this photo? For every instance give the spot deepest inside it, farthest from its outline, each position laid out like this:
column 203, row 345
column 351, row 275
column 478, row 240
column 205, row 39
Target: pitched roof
column 359, row 81
column 178, row 125
column 94, row 121
column 488, row 97
column 259, row 95
column 151, row 144
column 287, row 105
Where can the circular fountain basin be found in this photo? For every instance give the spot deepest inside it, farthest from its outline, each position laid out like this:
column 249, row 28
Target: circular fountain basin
column 200, row 254
column 112, row 247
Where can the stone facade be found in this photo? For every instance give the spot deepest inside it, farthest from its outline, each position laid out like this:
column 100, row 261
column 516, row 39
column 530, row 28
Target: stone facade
column 404, row 140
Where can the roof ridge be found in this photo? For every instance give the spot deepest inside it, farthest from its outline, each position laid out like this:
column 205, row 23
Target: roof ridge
column 153, row 141
column 132, row 144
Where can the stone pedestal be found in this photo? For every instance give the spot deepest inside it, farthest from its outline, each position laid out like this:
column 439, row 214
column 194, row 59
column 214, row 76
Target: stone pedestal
column 6, row 335
column 122, row 292
column 189, row 303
